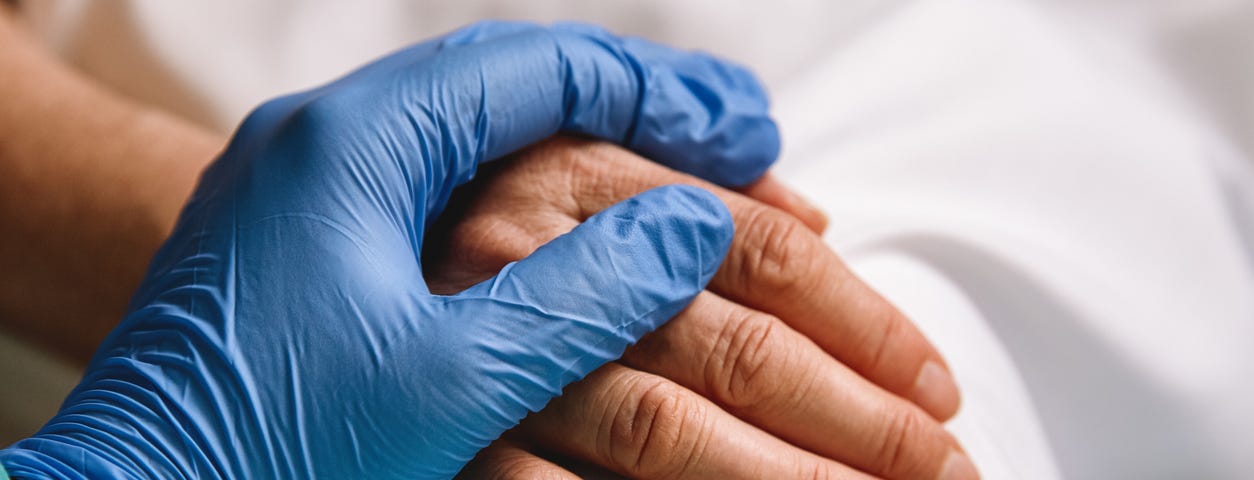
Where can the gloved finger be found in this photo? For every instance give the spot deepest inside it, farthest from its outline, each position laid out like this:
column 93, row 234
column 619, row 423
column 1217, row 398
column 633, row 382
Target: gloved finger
column 644, row 426
column 699, row 65
column 726, row 102
column 577, row 302
column 506, row 460
column 775, row 265
column 767, row 374
column 477, row 101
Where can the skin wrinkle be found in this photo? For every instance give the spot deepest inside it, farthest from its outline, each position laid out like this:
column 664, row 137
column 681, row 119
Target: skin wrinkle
column 574, row 173
column 891, row 330
column 606, row 177
column 225, row 172
column 722, row 343
column 773, row 254
column 608, row 428
column 897, row 434
column 653, row 430
column 696, row 453
column 644, row 419
column 601, row 175
column 607, row 183
column 741, row 366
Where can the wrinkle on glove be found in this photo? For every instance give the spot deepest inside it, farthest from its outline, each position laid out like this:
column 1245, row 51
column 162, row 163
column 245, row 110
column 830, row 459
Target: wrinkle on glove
column 285, row 330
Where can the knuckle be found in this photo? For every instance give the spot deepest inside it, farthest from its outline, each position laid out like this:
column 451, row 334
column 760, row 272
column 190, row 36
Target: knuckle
column 887, row 339
column 772, row 254
column 321, row 113
column 903, row 428
column 311, row 131
column 261, row 116
column 748, row 346
column 267, row 117
column 659, row 432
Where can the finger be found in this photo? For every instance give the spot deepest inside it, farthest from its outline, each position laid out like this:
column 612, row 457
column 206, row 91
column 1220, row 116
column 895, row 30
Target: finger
column 644, row 426
column 776, row 265
column 771, row 376
column 490, row 90
column 572, row 305
column 506, row 460
column 736, row 120
column 771, row 191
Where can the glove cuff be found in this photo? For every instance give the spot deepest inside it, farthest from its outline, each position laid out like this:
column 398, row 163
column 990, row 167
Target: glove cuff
column 40, row 458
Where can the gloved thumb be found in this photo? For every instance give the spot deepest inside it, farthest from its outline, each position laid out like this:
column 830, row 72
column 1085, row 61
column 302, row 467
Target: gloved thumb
column 580, row 300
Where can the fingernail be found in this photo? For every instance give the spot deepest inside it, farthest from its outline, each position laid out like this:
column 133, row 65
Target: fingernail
column 958, row 467
column 935, row 391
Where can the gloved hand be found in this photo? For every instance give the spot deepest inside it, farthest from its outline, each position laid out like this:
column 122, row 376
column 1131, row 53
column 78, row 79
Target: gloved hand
column 285, row 330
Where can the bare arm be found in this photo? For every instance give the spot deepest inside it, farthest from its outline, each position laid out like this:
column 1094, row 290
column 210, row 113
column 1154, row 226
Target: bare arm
column 90, row 184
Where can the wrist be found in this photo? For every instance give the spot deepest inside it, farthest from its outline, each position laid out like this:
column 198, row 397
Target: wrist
column 44, row 458
column 110, row 429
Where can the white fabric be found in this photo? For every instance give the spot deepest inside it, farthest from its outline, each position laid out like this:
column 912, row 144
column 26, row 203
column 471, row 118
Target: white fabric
column 1054, row 168
column 1059, row 192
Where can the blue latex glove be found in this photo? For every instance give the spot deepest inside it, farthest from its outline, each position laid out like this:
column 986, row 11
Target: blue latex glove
column 285, row 331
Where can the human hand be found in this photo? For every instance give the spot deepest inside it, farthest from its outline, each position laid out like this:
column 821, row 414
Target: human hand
column 787, row 345
column 285, row 329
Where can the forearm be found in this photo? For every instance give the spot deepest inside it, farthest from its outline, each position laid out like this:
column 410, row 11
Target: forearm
column 90, row 184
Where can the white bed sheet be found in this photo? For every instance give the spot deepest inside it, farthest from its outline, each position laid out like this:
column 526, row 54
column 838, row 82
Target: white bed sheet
column 1059, row 166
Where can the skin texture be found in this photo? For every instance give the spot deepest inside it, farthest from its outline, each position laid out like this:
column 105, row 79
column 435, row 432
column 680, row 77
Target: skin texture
column 91, row 183
column 787, row 344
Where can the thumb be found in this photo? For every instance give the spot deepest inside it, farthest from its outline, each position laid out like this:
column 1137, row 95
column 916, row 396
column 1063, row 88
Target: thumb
column 580, row 300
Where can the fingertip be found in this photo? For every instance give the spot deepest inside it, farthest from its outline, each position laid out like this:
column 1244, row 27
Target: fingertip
column 753, row 147
column 708, row 217
column 704, row 67
column 703, row 115
column 690, row 111
column 706, row 128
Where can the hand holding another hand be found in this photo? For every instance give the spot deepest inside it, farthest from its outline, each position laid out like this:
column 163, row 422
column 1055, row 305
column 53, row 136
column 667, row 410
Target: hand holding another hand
column 285, row 329
column 788, row 367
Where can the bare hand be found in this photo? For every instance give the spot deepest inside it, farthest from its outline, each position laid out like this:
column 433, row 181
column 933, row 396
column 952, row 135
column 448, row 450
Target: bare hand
column 788, row 367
